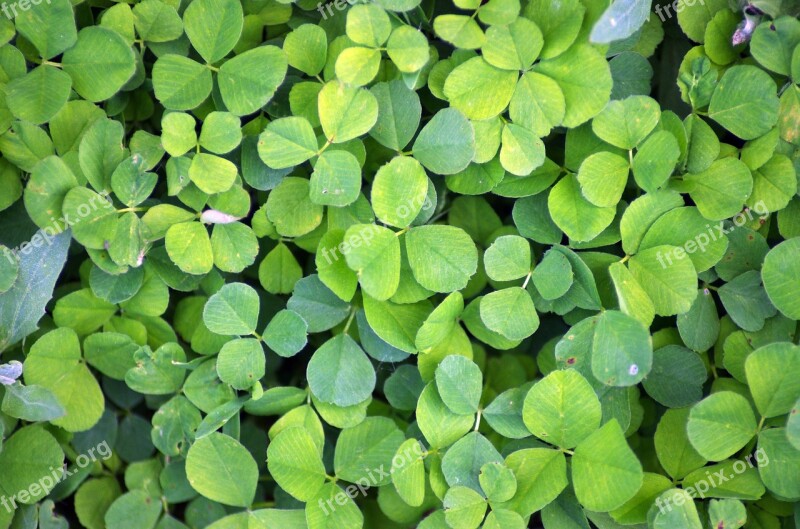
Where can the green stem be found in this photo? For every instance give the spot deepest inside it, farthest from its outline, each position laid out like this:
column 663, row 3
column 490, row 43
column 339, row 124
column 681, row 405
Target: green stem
column 349, row 320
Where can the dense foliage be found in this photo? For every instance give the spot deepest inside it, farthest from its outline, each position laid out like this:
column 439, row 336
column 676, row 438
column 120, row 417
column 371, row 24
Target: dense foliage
column 275, row 264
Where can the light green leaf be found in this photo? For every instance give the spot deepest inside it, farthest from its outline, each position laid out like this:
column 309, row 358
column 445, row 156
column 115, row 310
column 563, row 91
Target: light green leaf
column 340, row 372
column 222, row 470
column 720, row 425
column 605, row 471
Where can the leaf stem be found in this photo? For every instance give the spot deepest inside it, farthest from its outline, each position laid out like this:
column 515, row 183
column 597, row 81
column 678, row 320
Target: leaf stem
column 527, row 278
column 349, row 320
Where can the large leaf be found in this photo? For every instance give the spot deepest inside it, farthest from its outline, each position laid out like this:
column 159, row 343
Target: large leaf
column 23, row 305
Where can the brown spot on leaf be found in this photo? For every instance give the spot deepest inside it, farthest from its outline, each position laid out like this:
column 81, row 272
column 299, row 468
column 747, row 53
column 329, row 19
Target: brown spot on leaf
column 571, row 360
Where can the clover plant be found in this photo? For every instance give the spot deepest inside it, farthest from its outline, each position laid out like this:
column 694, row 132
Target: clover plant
column 280, row 264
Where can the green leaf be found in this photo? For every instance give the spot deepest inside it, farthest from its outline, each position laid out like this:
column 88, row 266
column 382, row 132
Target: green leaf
column 222, row 470
column 155, row 21
column 464, row 508
column 306, row 48
column 575, row 215
column 669, row 281
column 440, row 426
column 31, row 403
column 720, row 191
column 521, row 151
column 771, row 374
column 368, row 24
column 241, row 363
column 180, row 83
column 110, row 353
column 622, row 350
column 295, row 461
column 781, row 475
column 399, row 191
column 137, row 506
column 621, row 20
column 336, row 180
column 408, row 476
column 730, row 513
column 781, row 276
column 602, row 177
column 677, row 377
column 346, row 112
column 446, row 145
column 460, row 30
column 655, row 160
column 156, row 372
column 463, row 461
column 213, row 27
column 497, row 481
column 287, row 142
column 317, row 304
column 678, row 511
column 50, row 27
column 745, row 102
column 290, row 209
column 234, row 246
column 373, row 252
column 98, row 76
column 358, row 66
column 772, row 44
column 408, row 49
column 746, row 302
column 212, row 174
column 675, row 453
column 286, row 333
column 332, row 507
column 189, row 247
column 55, row 363
column 635, row 510
column 625, row 124
column 541, row 476
column 509, row 312
column 221, row 132
column 365, row 449
column 479, row 90
column 605, row 471
column 28, row 455
column 248, row 81
column 562, row 409
column 537, row 104
column 232, row 310
column 442, row 258
column 587, row 91
column 553, row 276
column 23, row 305
column 512, row 47
column 399, row 112
column 459, row 381
column 508, row 258
column 559, row 23
column 38, row 95
column 720, row 425
column 340, row 372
